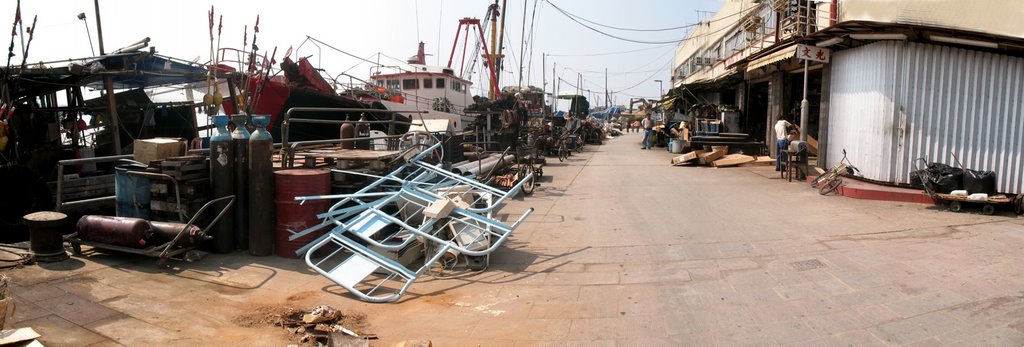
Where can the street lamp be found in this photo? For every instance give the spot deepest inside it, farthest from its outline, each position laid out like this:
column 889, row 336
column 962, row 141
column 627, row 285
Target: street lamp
column 81, row 16
column 661, row 95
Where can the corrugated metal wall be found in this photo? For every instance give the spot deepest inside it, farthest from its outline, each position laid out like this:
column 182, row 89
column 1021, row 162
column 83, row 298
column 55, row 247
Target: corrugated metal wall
column 893, row 102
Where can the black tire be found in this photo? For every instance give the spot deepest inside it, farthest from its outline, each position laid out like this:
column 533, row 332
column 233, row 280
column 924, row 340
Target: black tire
column 528, row 187
column 563, row 153
column 1017, row 204
column 830, row 186
column 988, row 209
column 955, row 206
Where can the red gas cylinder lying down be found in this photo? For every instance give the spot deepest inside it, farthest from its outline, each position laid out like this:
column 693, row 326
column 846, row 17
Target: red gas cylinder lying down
column 135, row 232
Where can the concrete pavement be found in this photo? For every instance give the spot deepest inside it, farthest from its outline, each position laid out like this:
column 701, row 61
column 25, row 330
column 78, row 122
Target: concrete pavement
column 624, row 250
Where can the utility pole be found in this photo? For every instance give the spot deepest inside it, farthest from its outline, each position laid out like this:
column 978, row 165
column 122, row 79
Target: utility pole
column 500, row 48
column 99, row 27
column 804, row 105
column 544, row 79
column 108, row 82
column 522, row 45
column 606, row 101
column 493, row 58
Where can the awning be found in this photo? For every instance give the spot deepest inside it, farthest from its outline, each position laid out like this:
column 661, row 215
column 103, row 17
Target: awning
column 783, row 54
column 667, row 104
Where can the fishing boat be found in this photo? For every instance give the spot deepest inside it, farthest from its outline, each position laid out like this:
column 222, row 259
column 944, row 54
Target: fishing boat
column 435, row 91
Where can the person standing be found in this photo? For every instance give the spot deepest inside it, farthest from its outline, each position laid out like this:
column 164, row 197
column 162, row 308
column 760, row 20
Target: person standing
column 782, row 128
column 648, row 126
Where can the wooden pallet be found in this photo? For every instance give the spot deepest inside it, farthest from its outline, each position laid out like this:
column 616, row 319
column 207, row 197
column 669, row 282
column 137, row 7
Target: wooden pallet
column 185, row 168
column 190, row 188
column 172, row 206
column 85, row 187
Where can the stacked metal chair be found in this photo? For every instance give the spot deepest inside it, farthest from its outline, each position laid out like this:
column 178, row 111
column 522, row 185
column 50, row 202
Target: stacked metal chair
column 418, row 201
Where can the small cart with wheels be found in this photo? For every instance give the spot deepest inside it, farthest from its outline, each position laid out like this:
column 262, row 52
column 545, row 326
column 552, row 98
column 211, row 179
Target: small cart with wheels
column 177, row 239
column 957, row 202
column 988, row 206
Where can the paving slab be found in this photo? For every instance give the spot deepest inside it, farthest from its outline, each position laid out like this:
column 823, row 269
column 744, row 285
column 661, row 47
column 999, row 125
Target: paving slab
column 623, row 250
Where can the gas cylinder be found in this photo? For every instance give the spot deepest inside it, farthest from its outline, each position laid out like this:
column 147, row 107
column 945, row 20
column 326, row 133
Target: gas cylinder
column 362, row 131
column 240, row 138
column 222, row 179
column 164, row 232
column 3, row 135
column 118, row 231
column 261, row 188
column 348, row 131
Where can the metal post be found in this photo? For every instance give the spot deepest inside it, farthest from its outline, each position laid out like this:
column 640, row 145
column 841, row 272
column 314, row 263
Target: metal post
column 115, row 125
column 99, row 28
column 82, row 17
column 804, row 105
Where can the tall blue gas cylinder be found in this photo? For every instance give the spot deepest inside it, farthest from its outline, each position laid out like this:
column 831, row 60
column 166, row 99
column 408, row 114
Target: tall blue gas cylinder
column 240, row 138
column 261, row 188
column 222, row 180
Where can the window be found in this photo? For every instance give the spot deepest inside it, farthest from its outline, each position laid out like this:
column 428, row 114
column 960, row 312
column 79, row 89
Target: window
column 380, row 83
column 428, row 83
column 440, row 83
column 457, row 86
column 393, row 84
column 412, row 83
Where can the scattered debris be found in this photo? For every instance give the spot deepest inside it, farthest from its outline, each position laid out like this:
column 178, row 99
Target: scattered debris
column 19, row 337
column 318, row 325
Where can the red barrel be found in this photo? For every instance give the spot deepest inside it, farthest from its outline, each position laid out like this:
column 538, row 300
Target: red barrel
column 294, row 217
column 301, row 182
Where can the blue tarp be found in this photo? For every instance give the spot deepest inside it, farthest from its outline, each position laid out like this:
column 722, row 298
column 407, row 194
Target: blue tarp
column 608, row 113
column 145, row 70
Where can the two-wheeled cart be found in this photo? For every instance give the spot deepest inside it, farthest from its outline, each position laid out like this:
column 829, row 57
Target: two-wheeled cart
column 165, row 240
column 957, row 202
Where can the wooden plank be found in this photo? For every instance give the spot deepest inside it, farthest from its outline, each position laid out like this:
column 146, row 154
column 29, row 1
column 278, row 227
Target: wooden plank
column 351, row 154
column 680, row 160
column 812, row 145
column 733, row 160
column 763, row 160
column 708, row 158
column 84, row 181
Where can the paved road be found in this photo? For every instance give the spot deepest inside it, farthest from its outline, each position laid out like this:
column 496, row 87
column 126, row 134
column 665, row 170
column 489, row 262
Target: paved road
column 624, row 250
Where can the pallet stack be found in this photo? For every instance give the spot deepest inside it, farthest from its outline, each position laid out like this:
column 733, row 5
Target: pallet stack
column 192, row 178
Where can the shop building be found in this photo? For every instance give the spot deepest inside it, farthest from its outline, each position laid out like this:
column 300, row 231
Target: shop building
column 901, row 80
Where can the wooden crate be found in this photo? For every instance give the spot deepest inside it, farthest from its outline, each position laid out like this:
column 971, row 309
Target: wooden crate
column 185, row 168
column 189, row 189
column 78, row 188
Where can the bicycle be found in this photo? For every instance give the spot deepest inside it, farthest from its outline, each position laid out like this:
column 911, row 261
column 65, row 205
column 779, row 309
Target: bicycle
column 563, row 147
column 831, row 180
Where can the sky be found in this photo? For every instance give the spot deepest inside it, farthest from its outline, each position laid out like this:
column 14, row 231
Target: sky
column 391, row 28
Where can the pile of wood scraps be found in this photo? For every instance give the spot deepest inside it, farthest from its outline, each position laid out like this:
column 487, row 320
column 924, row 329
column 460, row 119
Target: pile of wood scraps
column 718, row 157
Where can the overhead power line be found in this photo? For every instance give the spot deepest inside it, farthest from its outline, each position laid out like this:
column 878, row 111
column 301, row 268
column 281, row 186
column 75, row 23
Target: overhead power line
column 574, row 19
column 610, row 53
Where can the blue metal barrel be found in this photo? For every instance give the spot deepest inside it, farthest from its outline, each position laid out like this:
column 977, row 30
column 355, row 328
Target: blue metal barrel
column 131, row 193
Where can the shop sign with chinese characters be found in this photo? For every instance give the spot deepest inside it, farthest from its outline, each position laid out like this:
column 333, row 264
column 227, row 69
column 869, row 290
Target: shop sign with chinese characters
column 808, row 52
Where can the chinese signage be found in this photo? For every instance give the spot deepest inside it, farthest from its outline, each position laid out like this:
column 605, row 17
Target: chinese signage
column 814, row 53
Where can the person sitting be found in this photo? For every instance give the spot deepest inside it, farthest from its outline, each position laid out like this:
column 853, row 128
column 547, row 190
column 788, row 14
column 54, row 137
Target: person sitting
column 782, row 128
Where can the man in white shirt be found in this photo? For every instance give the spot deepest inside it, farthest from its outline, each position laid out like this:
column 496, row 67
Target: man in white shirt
column 782, row 141
column 648, row 126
